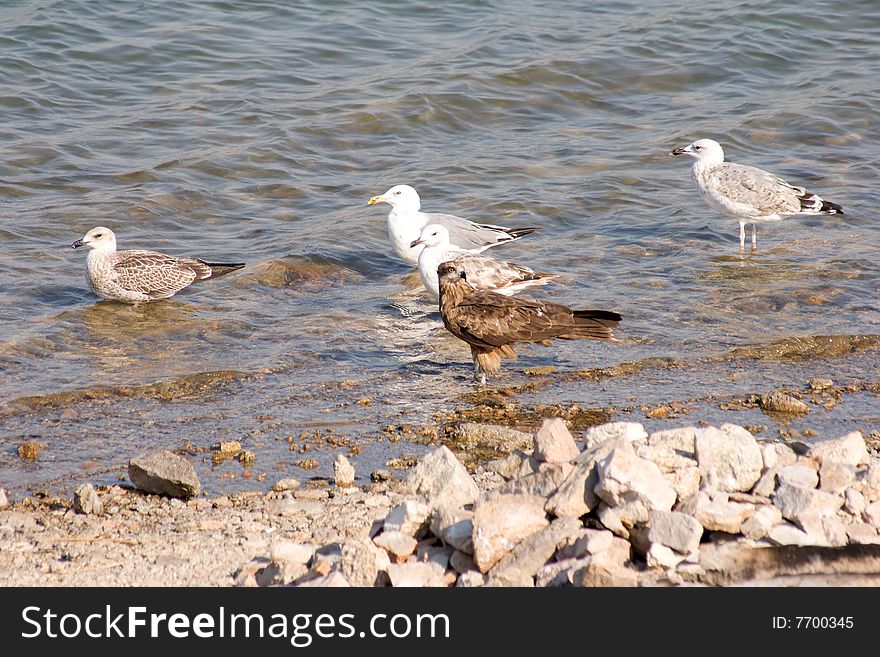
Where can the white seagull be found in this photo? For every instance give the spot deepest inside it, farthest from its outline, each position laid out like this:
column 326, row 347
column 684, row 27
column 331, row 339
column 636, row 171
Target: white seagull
column 483, row 272
column 135, row 276
column 746, row 193
column 405, row 224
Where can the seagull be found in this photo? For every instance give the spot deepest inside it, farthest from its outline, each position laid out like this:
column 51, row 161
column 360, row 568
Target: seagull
column 483, row 272
column 135, row 276
column 746, row 193
column 405, row 224
column 490, row 322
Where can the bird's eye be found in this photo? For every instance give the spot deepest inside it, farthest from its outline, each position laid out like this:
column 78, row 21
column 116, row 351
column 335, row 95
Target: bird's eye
column 397, row 193
column 100, row 235
column 696, row 148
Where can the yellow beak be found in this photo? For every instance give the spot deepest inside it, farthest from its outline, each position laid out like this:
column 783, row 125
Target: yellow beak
column 377, row 199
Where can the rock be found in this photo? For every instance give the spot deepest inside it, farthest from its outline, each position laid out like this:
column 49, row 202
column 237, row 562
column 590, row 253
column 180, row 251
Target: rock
column 501, row 522
column 786, row 533
column 661, row 556
column 362, row 563
column 246, row 576
column 729, row 457
column 765, row 486
column 554, row 443
column 397, row 544
column 665, row 457
column 675, row 530
column 462, row 562
column 542, row 483
column 870, row 481
column 4, row 500
column 848, row 450
column 685, row 482
column 429, row 550
column 559, row 573
column 777, row 454
column 819, row 384
column 509, row 466
column 333, row 579
column 835, row 531
column 805, row 506
column 627, row 431
column 226, row 448
column 601, row 573
column 575, row 495
column 293, row 552
column 620, row 519
column 723, row 515
column 416, row 574
column 380, row 475
column 624, row 477
column 471, row 579
column 871, row 515
column 470, row 436
column 454, row 527
column 288, row 563
column 586, row 542
column 164, row 473
column 246, row 457
column 409, row 517
column 836, row 477
column 286, row 484
column 343, row 471
column 519, row 566
column 442, row 480
column 782, row 404
column 30, row 449
column 861, row 533
column 854, row 502
column 798, row 475
column 86, row 500
column 759, row 524
column 681, row 440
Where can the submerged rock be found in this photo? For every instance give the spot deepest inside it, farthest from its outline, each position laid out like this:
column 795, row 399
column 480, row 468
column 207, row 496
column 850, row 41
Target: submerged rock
column 783, row 404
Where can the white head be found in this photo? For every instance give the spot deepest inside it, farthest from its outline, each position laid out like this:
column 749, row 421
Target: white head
column 432, row 235
column 100, row 239
column 401, row 197
column 703, row 150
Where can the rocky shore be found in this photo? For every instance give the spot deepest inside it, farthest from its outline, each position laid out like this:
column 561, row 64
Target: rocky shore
column 684, row 506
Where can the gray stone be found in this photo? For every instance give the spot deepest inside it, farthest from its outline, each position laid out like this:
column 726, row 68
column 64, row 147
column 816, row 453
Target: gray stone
column 759, row 524
column 786, row 533
column 343, row 471
column 397, row 544
column 779, row 402
column 410, row 518
column 491, row 437
column 509, row 466
column 835, row 531
column 854, row 502
column 286, row 484
column 362, row 563
column 765, row 486
column 442, row 480
column 777, row 454
column 675, row 530
column 559, row 573
column 501, row 522
column 246, row 576
column 333, row 579
column 662, row 556
column 86, row 500
column 429, row 550
column 164, row 473
column 416, row 574
column 818, row 384
column 861, row 533
column 554, row 443
column 798, row 475
column 871, row 515
column 454, row 526
column 601, row 572
column 280, row 572
column 586, row 542
column 729, row 457
column 627, row 431
column 665, row 457
column 836, row 477
column 681, row 440
column 624, row 477
column 849, row 450
column 543, row 483
column 805, row 506
column 461, row 562
column 575, row 496
column 471, row 579
column 519, row 566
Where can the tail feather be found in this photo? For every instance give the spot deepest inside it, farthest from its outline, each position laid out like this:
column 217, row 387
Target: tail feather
column 814, row 203
column 221, row 268
column 593, row 324
column 830, row 208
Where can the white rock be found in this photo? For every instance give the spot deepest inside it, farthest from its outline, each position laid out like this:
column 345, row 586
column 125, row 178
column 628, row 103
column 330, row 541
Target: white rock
column 586, row 542
column 292, row 552
column 871, row 515
column 835, row 531
column 559, row 573
column 759, row 524
column 787, row 534
column 363, row 563
column 723, row 515
column 798, row 475
column 870, row 481
column 575, row 496
column 861, row 533
column 554, row 442
column 333, row 579
column 462, row 562
column 777, row 454
column 854, row 502
column 442, row 480
column 804, row 506
column 685, row 482
column 343, row 471
column 543, row 483
column 661, row 556
column 675, row 530
column 729, row 457
column 86, row 500
column 397, row 544
column 836, row 477
column 765, row 486
column 410, row 518
column 665, row 457
column 624, row 477
column 471, row 579
column 681, row 440
column 501, row 522
column 416, row 574
column 4, row 500
column 849, row 450
column 519, row 566
column 454, row 527
column 629, row 431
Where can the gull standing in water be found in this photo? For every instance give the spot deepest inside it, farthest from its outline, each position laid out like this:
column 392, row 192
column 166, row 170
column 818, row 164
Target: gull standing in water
column 483, row 272
column 135, row 276
column 746, row 193
column 490, row 323
column 406, row 221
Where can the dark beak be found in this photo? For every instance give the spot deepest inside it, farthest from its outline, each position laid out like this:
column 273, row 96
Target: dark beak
column 77, row 244
column 415, row 243
column 679, row 151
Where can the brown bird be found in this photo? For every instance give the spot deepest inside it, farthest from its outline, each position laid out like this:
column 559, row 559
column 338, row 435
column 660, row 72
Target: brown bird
column 490, row 322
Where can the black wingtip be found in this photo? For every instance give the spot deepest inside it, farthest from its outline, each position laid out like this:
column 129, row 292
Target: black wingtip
column 220, row 268
column 600, row 315
column 831, row 208
column 516, row 233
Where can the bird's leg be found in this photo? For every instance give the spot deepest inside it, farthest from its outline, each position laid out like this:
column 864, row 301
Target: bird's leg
column 742, row 236
column 479, row 375
column 754, row 237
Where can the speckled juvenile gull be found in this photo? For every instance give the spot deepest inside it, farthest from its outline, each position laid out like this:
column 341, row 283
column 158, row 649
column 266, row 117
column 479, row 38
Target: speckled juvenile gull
column 483, row 272
column 135, row 275
column 746, row 193
column 406, row 221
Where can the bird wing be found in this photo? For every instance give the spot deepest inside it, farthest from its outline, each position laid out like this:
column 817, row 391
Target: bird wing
column 151, row 273
column 487, row 319
column 760, row 190
column 487, row 273
column 468, row 236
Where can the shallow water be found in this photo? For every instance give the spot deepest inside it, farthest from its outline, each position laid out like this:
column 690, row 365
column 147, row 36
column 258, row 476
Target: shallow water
column 257, row 132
